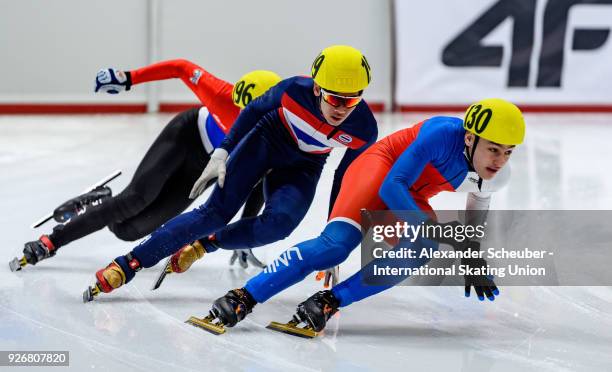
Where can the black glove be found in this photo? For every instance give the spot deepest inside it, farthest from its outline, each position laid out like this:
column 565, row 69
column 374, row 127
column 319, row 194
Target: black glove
column 483, row 284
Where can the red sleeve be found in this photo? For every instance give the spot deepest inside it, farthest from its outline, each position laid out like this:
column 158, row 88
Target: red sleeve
column 214, row 93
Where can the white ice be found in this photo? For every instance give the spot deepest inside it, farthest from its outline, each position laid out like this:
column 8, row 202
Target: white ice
column 45, row 160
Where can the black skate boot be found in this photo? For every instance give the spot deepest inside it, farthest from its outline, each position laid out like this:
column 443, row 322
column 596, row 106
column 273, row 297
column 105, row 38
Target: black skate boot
column 79, row 204
column 34, row 252
column 314, row 312
column 227, row 310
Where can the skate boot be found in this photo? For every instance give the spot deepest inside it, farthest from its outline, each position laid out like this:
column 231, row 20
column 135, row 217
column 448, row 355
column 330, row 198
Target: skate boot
column 79, row 204
column 117, row 273
column 314, row 313
column 182, row 260
column 227, row 311
column 34, row 252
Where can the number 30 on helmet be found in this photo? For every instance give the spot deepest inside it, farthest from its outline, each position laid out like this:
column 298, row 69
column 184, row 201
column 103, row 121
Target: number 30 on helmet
column 496, row 120
column 252, row 85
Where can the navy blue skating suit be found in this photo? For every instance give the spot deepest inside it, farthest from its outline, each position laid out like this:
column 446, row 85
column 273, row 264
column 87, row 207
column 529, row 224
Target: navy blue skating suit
column 283, row 138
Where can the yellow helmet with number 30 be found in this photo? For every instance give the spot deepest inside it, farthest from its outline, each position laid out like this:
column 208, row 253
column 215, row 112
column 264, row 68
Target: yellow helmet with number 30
column 341, row 69
column 252, row 85
column 496, row 120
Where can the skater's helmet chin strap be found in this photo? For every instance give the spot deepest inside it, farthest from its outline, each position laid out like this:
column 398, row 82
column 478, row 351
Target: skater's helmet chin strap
column 495, row 120
column 469, row 155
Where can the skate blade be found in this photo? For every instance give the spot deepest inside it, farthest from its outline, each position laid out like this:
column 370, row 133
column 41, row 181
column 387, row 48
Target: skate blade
column 162, row 274
column 102, row 182
column 292, row 329
column 207, row 324
column 17, row 264
column 90, row 293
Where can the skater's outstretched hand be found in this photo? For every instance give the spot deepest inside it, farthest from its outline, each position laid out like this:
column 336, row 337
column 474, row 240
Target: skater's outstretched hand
column 214, row 169
column 112, row 81
column 483, row 284
column 331, row 275
column 244, row 256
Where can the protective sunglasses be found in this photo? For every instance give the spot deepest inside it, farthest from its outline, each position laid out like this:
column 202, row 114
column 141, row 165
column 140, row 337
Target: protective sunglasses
column 337, row 101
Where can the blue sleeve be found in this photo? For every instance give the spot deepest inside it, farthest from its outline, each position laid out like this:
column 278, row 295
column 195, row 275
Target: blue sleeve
column 349, row 156
column 252, row 113
column 395, row 189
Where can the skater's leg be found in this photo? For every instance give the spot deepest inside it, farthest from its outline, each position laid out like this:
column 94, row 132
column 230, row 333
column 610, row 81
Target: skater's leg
column 365, row 283
column 255, row 201
column 172, row 200
column 329, row 249
column 182, row 260
column 177, row 143
column 341, row 235
column 289, row 194
column 246, row 166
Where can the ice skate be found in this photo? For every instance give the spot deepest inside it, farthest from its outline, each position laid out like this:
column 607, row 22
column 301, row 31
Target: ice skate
column 34, row 252
column 243, row 257
column 330, row 276
column 79, row 204
column 313, row 313
column 113, row 276
column 226, row 311
column 93, row 195
column 181, row 261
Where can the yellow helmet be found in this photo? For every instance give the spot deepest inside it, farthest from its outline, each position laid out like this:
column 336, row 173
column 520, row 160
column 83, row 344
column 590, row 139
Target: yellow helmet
column 252, row 85
column 496, row 120
column 341, row 69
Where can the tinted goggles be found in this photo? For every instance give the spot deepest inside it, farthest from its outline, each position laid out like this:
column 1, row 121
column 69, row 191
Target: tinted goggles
column 337, row 100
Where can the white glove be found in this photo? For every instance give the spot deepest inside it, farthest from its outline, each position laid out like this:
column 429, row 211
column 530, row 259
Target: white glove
column 112, row 81
column 214, row 169
column 332, row 274
column 244, row 256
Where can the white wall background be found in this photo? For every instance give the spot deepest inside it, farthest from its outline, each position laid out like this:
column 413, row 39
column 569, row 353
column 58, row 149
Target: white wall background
column 422, row 78
column 51, row 50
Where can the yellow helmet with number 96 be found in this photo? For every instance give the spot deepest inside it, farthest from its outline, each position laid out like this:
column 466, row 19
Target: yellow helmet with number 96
column 252, row 85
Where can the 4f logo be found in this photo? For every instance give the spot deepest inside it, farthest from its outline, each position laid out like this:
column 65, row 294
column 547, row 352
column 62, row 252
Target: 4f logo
column 284, row 259
column 466, row 50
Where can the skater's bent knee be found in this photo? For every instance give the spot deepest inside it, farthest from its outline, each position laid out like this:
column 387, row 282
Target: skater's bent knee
column 127, row 232
column 215, row 215
column 276, row 227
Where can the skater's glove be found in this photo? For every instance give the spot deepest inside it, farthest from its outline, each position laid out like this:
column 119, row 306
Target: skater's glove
column 214, row 169
column 112, row 81
column 244, row 256
column 331, row 274
column 483, row 284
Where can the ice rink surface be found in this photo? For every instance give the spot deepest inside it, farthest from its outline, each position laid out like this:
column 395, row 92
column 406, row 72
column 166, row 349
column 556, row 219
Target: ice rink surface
column 45, row 160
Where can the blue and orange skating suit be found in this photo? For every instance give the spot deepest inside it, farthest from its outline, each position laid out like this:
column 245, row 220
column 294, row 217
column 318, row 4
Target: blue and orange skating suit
column 218, row 114
column 409, row 167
